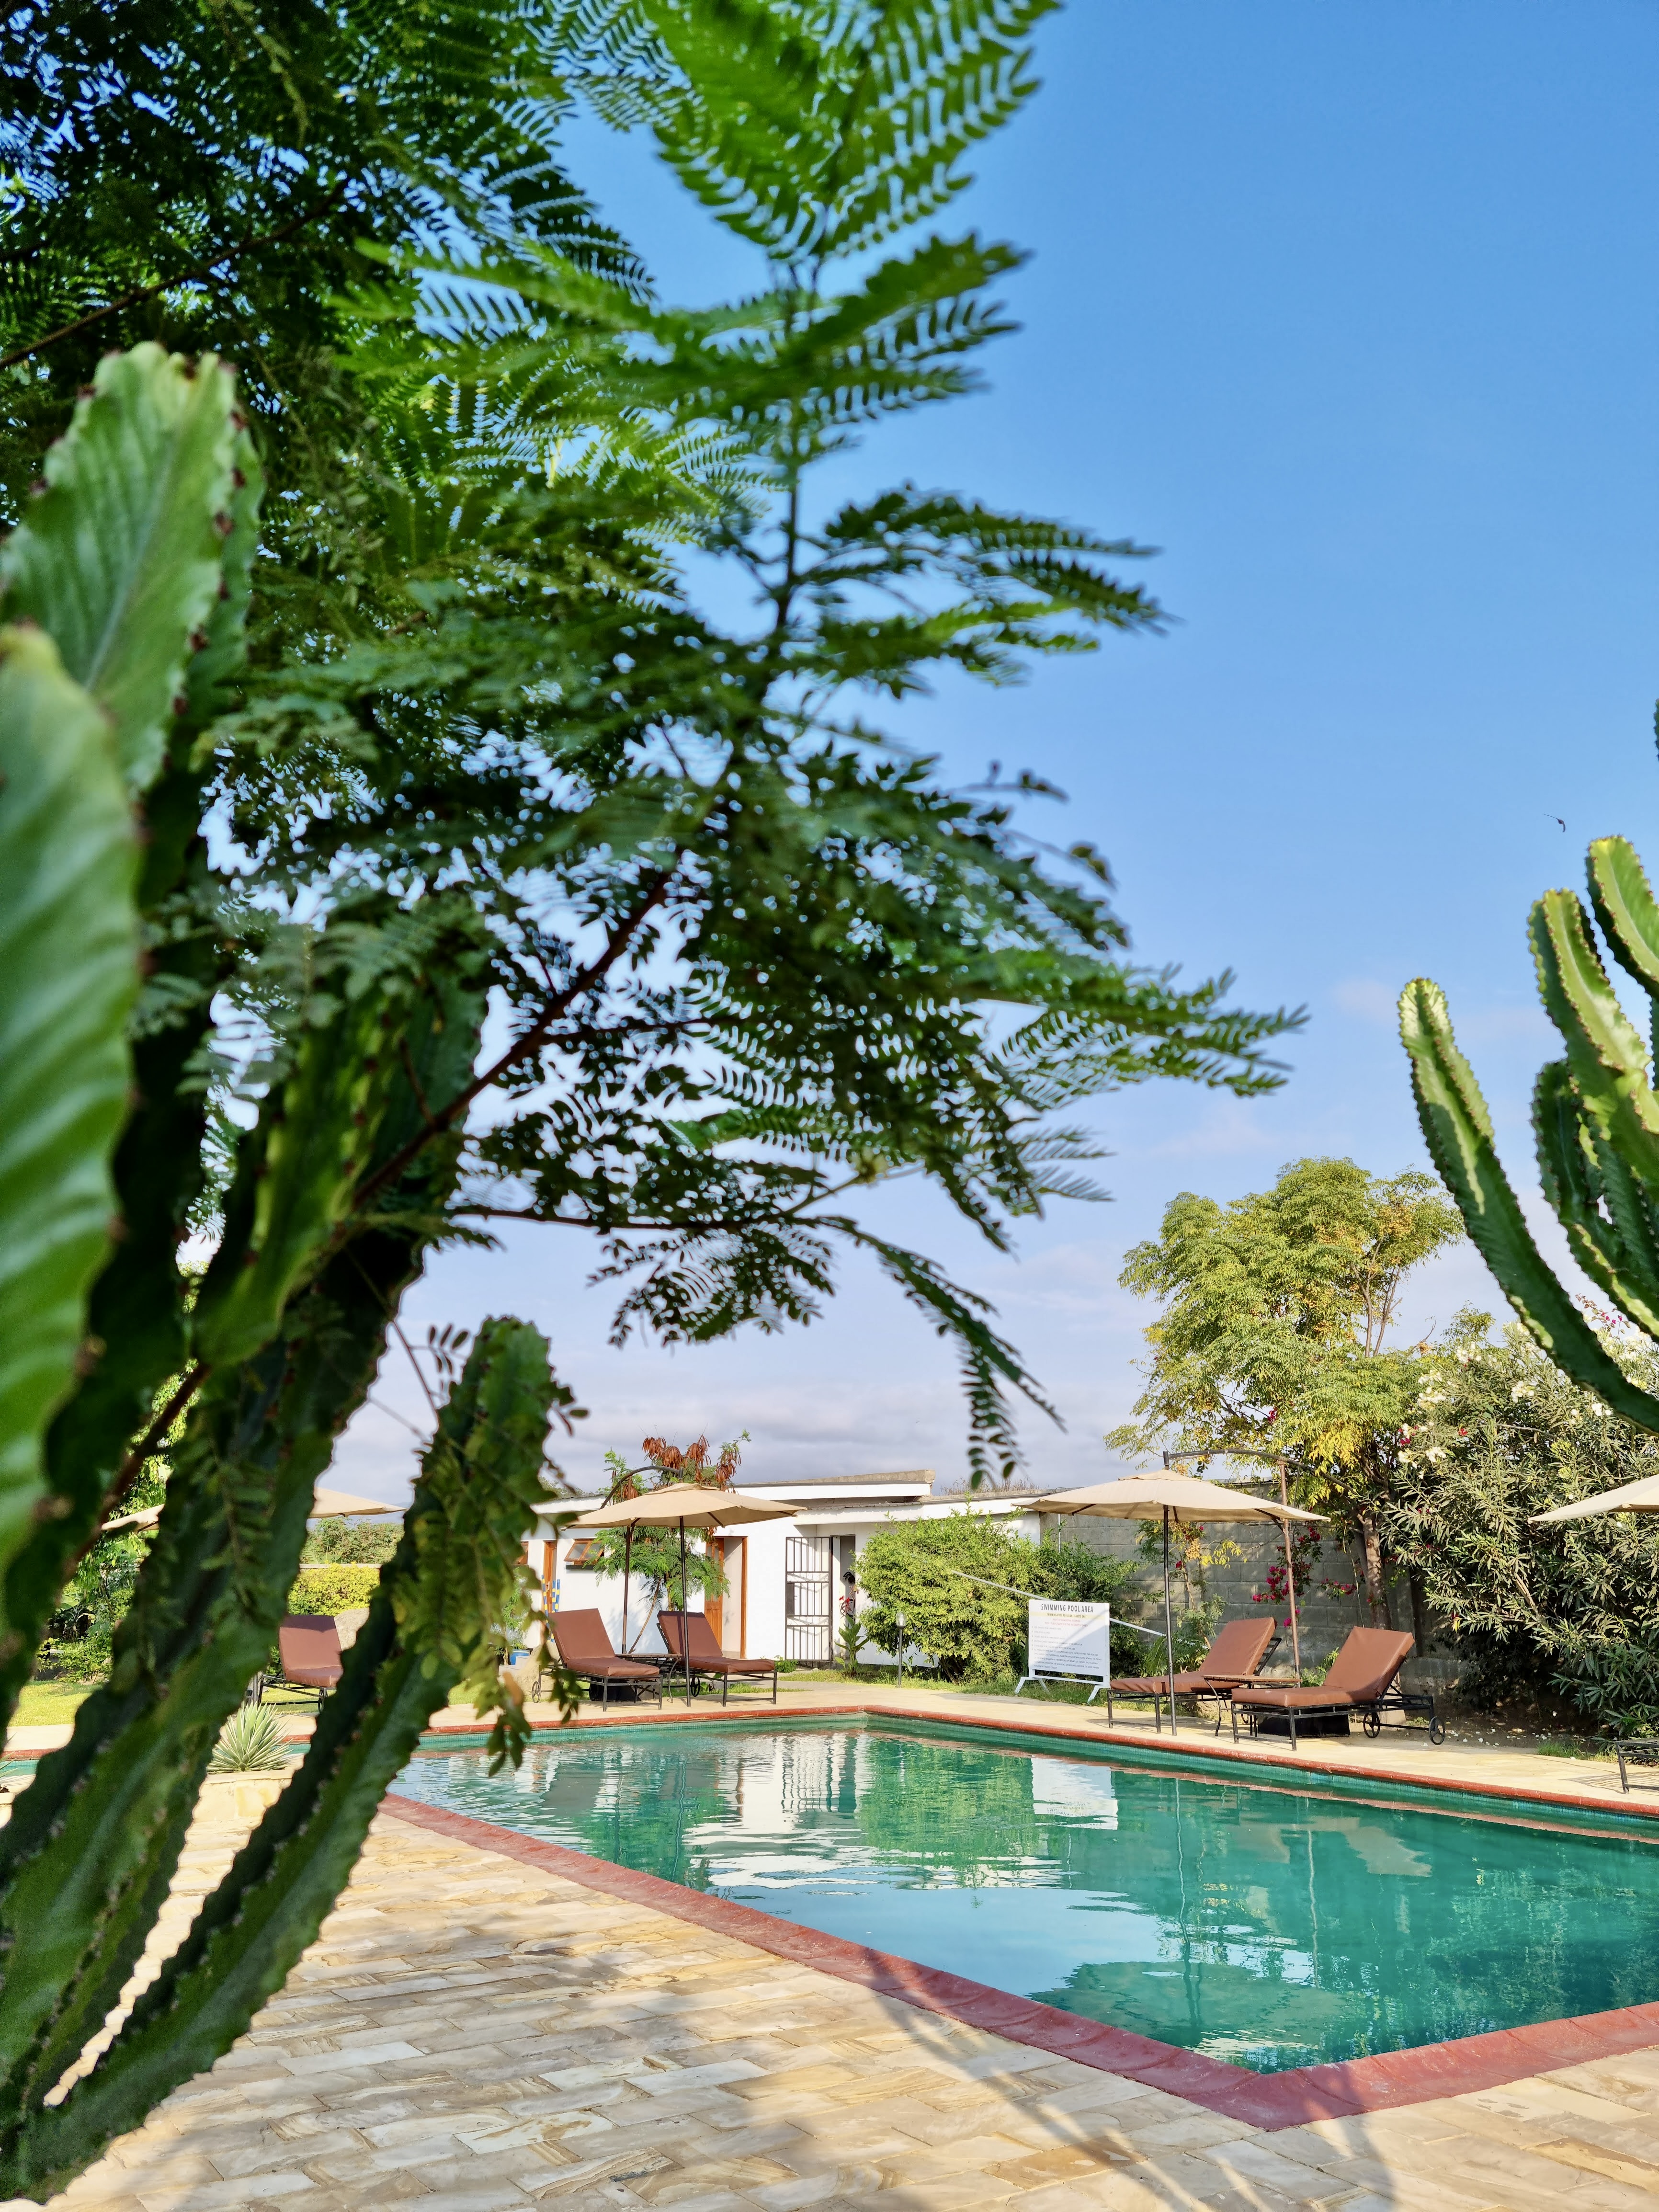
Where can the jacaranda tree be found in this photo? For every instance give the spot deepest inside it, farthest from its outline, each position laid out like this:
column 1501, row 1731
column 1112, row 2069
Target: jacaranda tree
column 392, row 843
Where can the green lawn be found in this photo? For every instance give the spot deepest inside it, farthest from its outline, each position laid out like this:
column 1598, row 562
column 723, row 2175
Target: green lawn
column 43, row 1702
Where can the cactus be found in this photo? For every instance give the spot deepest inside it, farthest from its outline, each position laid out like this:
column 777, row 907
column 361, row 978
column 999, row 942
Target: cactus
column 1595, row 1117
column 125, row 590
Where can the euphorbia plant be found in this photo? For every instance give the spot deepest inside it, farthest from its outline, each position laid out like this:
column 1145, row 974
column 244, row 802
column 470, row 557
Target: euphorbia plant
column 126, row 588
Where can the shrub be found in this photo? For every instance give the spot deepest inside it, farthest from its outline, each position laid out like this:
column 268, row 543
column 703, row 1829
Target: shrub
column 970, row 1630
column 1497, row 1435
column 352, row 1543
column 332, row 1589
column 1077, row 1571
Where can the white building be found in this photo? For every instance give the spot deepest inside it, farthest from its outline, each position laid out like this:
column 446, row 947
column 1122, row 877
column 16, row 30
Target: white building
column 785, row 1579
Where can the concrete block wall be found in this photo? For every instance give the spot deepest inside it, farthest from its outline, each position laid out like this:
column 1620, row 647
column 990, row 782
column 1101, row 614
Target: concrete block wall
column 1325, row 1615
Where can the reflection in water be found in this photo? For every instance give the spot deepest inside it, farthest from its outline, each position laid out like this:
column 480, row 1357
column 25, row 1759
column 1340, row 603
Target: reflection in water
column 1259, row 1926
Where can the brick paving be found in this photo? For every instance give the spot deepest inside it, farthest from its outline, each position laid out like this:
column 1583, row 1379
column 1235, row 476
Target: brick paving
column 472, row 2033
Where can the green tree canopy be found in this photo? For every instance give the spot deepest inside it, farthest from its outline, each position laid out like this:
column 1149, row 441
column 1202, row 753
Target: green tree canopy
column 499, row 664
column 1273, row 1333
column 1495, row 1434
column 753, row 958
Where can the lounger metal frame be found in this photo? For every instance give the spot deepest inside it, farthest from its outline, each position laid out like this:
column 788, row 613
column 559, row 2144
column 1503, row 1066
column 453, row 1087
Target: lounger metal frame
column 1635, row 1751
column 1221, row 1692
column 637, row 1683
column 1221, row 1689
column 697, row 1670
column 708, row 1670
column 1416, row 1706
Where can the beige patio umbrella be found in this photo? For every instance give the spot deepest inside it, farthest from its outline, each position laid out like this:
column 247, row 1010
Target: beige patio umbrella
column 341, row 1505
column 325, row 1505
column 1184, row 1501
column 1629, row 1497
column 683, row 1505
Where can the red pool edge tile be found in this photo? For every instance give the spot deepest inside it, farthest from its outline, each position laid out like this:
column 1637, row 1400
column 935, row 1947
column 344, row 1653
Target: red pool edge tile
column 1267, row 2101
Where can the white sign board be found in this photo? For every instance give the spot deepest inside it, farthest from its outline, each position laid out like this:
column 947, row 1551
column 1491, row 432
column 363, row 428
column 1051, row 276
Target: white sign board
column 1073, row 1641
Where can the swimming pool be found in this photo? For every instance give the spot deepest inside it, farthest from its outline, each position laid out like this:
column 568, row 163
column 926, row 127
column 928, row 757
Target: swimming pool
column 1270, row 1926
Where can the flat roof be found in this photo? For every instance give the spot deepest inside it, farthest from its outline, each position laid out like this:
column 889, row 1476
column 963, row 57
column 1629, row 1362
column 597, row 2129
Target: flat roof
column 931, row 1509
column 908, row 1477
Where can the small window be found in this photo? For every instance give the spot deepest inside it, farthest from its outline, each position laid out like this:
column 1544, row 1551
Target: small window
column 584, row 1552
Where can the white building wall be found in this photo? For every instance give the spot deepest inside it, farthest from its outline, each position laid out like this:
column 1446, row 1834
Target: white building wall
column 760, row 1606
column 763, row 1543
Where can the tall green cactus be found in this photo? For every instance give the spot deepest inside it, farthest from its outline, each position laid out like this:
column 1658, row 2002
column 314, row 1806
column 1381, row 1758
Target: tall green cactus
column 1595, row 1116
column 125, row 593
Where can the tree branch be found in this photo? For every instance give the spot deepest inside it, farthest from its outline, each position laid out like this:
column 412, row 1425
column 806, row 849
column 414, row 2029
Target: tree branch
column 132, row 1466
column 143, row 292
column 534, row 1038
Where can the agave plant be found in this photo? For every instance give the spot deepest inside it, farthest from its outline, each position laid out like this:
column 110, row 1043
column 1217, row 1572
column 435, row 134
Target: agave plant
column 125, row 592
column 1595, row 1117
column 250, row 1743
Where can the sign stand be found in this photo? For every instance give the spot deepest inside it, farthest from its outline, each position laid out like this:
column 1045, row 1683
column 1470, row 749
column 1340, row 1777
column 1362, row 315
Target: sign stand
column 1067, row 1642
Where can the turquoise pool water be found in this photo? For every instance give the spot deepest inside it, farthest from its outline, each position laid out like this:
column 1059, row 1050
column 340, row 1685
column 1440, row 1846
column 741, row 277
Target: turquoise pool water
column 1262, row 1925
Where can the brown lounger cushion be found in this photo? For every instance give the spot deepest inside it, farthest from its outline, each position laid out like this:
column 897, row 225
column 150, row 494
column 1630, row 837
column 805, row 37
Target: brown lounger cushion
column 585, row 1648
column 309, row 1646
column 1362, row 1671
column 1238, row 1651
column 705, row 1654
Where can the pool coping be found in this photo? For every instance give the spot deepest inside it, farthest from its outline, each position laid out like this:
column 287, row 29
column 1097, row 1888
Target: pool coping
column 1339, row 2090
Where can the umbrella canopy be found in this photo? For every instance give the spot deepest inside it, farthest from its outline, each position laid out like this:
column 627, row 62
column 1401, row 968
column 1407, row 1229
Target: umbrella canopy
column 697, row 1504
column 1629, row 1497
column 1186, row 1501
column 679, row 1505
column 340, row 1506
column 325, row 1505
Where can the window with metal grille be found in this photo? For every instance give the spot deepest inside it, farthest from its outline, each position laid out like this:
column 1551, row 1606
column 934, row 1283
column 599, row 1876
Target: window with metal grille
column 806, row 1577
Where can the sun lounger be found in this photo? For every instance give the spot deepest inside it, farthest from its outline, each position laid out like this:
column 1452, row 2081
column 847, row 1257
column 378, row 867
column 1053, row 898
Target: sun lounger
column 586, row 1649
column 308, row 1645
column 1361, row 1680
column 700, row 1654
column 1239, row 1648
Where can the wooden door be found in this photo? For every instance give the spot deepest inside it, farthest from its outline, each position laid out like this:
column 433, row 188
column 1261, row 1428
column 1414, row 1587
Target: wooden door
column 714, row 1606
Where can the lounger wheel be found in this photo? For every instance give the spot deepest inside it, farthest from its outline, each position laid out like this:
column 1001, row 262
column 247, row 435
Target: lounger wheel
column 1436, row 1731
column 1372, row 1724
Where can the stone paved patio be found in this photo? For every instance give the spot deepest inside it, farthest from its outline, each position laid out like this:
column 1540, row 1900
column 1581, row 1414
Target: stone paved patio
column 475, row 2034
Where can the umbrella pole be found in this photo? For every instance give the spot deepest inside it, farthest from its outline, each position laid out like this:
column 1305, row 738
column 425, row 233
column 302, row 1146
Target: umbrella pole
column 685, row 1644
column 1168, row 1622
column 628, row 1564
column 1289, row 1577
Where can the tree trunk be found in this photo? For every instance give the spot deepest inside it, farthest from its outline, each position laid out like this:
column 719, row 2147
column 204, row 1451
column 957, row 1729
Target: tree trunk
column 1376, row 1589
column 1419, row 1612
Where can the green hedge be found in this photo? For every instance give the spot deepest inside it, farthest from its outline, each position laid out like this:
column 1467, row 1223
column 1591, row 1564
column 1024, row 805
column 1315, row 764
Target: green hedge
column 332, row 1589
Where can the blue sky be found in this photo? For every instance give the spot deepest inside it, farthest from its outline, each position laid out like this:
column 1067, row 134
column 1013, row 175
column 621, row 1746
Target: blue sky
column 1351, row 311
